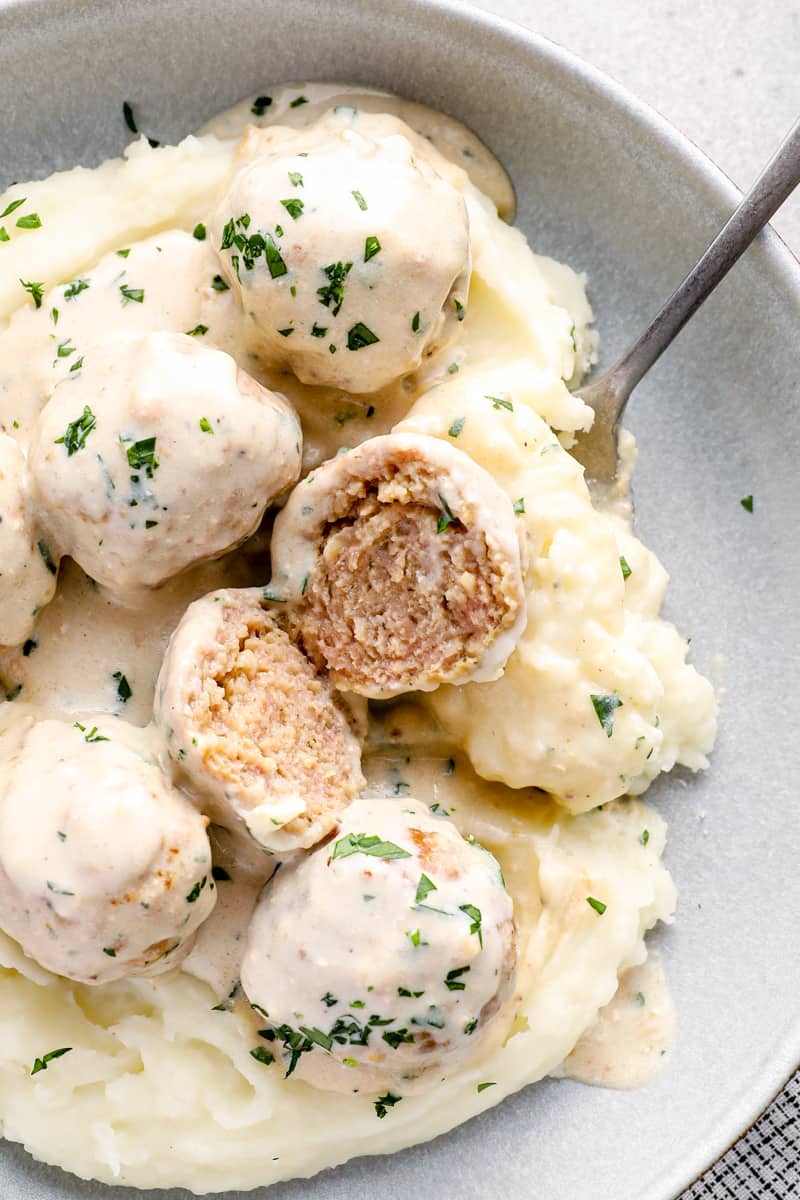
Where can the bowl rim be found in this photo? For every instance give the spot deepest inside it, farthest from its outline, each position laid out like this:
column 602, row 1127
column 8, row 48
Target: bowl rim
column 778, row 1069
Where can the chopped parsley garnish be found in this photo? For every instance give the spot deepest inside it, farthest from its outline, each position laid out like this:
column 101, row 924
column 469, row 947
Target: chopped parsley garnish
column 644, row 837
column 44, row 550
column 360, row 201
column 294, row 207
column 456, row 427
column 275, row 263
column 92, row 736
column 31, row 221
column 197, row 889
column 623, row 566
column 295, row 179
column 332, row 293
column 142, row 456
column 361, row 843
column 123, row 253
column 263, row 1055
column 220, row 874
column 4, row 234
column 402, row 991
column 371, row 247
column 150, row 524
column 415, row 323
column 329, row 1000
column 77, row 432
column 219, row 284
column 499, row 402
column 127, row 112
column 384, row 1103
column 12, row 207
column 130, row 293
column 41, row 1063
column 519, row 506
column 64, row 349
column 598, row 905
column 206, row 425
column 298, row 100
column 35, row 290
column 459, row 307
column 445, row 516
column 747, row 503
column 416, row 938
column 75, row 288
column 260, row 105
column 474, row 915
column 13, row 692
column 640, row 999
column 471, row 1026
column 424, row 886
column 396, row 1037
column 199, row 232
column 286, row 332
column 604, row 705
column 198, row 331
column 452, row 979
column 360, row 336
column 110, row 951
column 124, row 692
column 57, row 891
column 318, row 330
column 76, row 366
column 483, row 1086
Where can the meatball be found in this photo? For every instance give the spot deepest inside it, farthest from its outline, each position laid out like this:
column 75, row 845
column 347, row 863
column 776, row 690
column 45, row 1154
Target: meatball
column 403, row 564
column 387, row 953
column 27, row 570
column 350, row 254
column 156, row 454
column 264, row 742
column 105, row 868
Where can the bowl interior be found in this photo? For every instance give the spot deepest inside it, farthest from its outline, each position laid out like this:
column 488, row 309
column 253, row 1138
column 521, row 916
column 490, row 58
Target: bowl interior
column 608, row 187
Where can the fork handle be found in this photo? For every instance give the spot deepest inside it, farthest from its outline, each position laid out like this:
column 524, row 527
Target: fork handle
column 778, row 179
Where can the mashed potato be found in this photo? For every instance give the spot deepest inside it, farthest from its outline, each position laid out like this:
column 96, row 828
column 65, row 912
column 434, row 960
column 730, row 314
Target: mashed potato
column 166, row 1081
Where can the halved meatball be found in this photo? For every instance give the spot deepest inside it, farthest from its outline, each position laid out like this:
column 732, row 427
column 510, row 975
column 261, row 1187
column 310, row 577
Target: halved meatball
column 349, row 252
column 403, row 564
column 156, row 454
column 387, row 954
column 262, row 739
column 27, row 570
column 105, row 868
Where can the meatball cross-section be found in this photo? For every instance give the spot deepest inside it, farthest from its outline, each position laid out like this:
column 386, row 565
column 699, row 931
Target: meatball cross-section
column 105, row 868
column 157, row 454
column 386, row 954
column 261, row 738
column 402, row 561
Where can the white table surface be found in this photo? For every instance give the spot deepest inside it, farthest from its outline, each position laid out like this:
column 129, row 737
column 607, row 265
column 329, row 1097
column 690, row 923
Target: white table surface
column 725, row 72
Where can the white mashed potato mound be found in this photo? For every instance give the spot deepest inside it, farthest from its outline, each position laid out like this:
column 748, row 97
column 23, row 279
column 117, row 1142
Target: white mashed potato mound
column 160, row 1090
column 159, row 1087
column 597, row 699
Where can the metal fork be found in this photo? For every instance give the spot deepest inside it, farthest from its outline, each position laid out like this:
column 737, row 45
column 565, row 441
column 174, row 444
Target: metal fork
column 608, row 395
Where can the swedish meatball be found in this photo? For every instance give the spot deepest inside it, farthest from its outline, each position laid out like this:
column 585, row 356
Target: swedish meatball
column 27, row 571
column 349, row 252
column 387, row 953
column 105, row 868
column 403, row 566
column 157, row 454
column 263, row 740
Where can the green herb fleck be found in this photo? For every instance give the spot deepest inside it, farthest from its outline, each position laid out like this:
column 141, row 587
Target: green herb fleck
column 124, row 692
column 298, row 100
column 28, row 647
column 263, row 1055
column 295, row 179
column 499, row 402
column 219, row 284
column 31, row 221
column 77, row 432
column 424, row 886
column 483, row 1086
column 604, row 705
column 623, row 564
column 12, row 207
column 198, row 331
column 4, row 235
column 640, row 999
column 109, row 951
column 197, row 889
column 519, row 506
column 459, row 307
column 332, row 293
column 644, row 837
column 127, row 112
column 361, row 843
column 44, row 550
column 360, row 201
column 35, row 290
column 371, row 247
column 474, row 915
column 471, row 1026
column 453, row 981
column 123, row 253
column 598, row 905
column 318, row 330
column 294, row 207
column 75, row 288
column 199, row 232
column 206, row 425
column 747, row 503
column 360, row 336
column 456, row 427
column 142, row 456
column 445, row 517
column 260, row 105
column 415, row 323
column 131, row 293
column 41, row 1063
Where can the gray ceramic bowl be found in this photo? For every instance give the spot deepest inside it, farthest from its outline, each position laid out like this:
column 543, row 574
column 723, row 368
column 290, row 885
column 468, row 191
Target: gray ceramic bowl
column 608, row 186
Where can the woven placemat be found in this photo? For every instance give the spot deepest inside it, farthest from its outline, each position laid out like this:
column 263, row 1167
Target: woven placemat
column 765, row 1162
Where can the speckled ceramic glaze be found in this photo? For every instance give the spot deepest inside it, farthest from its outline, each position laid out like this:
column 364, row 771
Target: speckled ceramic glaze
column 607, row 186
